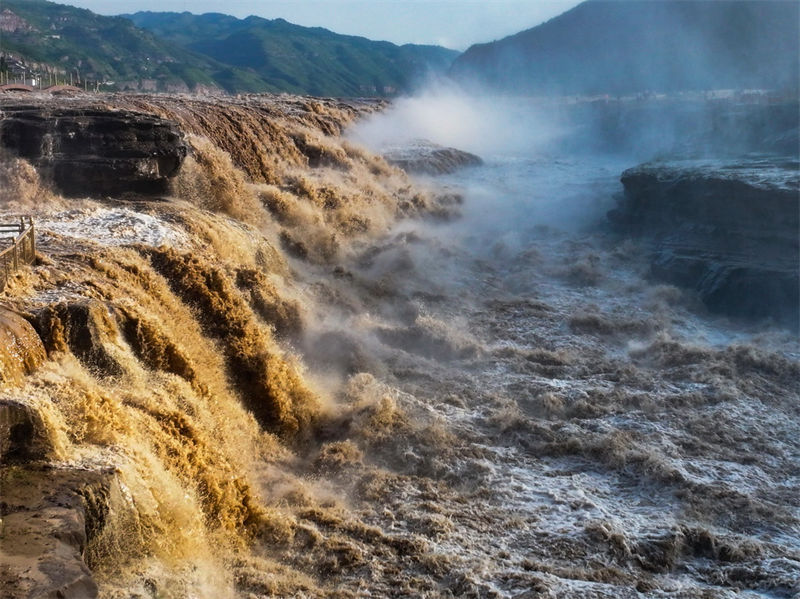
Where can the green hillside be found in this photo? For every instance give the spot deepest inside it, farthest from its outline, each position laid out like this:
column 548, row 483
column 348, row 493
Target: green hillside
column 111, row 51
column 183, row 52
column 300, row 59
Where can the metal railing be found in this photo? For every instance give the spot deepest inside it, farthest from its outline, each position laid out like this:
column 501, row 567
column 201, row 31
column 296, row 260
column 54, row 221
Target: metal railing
column 20, row 239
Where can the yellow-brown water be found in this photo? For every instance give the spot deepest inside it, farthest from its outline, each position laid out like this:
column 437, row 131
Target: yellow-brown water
column 306, row 385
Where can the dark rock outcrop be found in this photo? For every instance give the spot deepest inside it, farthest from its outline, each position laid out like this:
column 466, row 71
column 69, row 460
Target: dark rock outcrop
column 87, row 151
column 425, row 157
column 728, row 229
column 23, row 434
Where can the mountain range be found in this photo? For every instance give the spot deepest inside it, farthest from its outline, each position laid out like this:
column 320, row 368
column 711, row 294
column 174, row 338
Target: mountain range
column 297, row 59
column 185, row 52
column 599, row 47
column 629, row 46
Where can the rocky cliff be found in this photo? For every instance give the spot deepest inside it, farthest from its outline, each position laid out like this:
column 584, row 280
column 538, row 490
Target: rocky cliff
column 91, row 152
column 728, row 229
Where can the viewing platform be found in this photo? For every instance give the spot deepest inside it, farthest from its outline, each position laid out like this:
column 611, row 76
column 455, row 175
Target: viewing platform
column 18, row 247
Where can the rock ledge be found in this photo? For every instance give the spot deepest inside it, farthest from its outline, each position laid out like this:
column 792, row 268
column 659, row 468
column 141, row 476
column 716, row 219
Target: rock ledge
column 728, row 229
column 427, row 158
column 89, row 151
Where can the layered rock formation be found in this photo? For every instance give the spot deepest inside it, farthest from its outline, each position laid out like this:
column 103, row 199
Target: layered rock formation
column 428, row 158
column 728, row 229
column 43, row 510
column 85, row 151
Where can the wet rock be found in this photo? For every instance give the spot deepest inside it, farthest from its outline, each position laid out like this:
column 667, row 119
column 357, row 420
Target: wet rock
column 91, row 151
column 23, row 434
column 427, row 158
column 52, row 518
column 87, row 328
column 728, row 229
column 21, row 349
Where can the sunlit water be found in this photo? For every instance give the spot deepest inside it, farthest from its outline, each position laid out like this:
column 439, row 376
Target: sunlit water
column 504, row 404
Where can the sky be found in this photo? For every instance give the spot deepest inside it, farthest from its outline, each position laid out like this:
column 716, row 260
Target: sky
column 455, row 24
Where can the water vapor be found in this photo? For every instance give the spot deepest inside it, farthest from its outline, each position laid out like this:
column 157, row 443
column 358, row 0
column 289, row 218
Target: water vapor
column 444, row 113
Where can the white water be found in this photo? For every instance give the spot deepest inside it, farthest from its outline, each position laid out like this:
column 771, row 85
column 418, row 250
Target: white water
column 593, row 448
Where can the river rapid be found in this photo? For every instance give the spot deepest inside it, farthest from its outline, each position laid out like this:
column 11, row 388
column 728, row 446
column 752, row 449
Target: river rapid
column 586, row 431
column 331, row 380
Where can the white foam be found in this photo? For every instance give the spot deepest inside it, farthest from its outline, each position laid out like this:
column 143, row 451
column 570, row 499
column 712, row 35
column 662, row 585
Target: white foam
column 112, row 226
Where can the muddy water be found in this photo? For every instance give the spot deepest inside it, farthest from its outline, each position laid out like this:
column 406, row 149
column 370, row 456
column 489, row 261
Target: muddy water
column 572, row 428
column 351, row 395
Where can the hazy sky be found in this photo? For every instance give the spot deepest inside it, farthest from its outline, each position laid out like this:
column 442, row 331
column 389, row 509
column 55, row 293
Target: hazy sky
column 456, row 24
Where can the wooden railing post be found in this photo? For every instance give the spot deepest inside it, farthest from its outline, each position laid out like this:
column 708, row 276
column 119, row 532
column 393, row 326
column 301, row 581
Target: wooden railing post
column 22, row 249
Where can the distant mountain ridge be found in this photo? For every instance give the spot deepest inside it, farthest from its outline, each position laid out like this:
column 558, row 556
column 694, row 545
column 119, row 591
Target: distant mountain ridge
column 300, row 59
column 45, row 41
column 630, row 46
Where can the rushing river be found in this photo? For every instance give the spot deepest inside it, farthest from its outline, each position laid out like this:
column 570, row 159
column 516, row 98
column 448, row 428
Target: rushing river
column 576, row 430
column 302, row 375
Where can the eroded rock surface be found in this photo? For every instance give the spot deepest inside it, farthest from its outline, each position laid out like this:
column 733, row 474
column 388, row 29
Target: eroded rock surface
column 49, row 517
column 728, row 229
column 88, row 151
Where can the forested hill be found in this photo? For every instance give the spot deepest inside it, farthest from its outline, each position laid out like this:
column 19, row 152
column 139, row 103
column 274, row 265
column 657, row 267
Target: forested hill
column 46, row 41
column 300, row 59
column 632, row 46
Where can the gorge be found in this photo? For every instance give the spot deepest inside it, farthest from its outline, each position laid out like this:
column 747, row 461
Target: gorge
column 286, row 368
